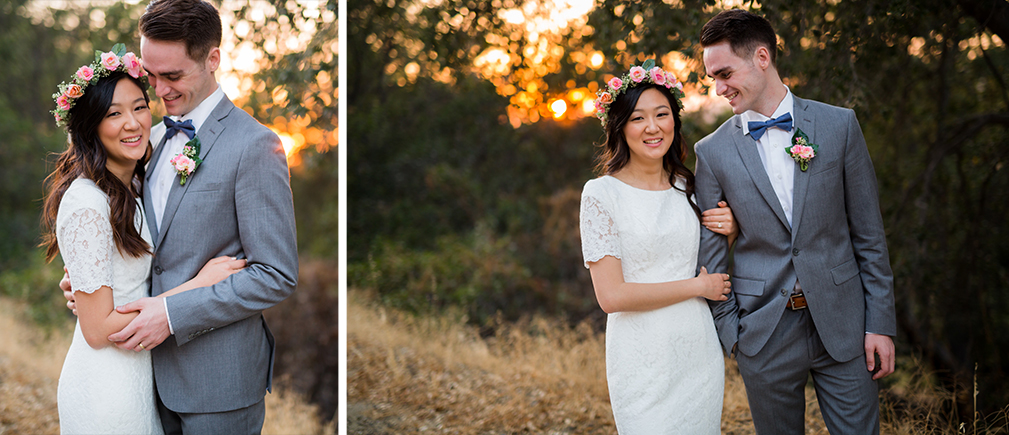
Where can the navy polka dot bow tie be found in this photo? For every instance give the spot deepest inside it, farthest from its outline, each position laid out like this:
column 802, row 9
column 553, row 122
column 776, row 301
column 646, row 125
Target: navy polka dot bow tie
column 175, row 127
column 758, row 128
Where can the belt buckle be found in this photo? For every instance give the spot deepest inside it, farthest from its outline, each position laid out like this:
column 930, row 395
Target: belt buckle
column 797, row 301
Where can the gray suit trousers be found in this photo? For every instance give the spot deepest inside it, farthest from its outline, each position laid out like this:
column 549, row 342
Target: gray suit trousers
column 776, row 380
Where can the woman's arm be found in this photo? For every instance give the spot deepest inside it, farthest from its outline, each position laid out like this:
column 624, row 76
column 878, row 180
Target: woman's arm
column 213, row 272
column 712, row 218
column 615, row 295
column 98, row 316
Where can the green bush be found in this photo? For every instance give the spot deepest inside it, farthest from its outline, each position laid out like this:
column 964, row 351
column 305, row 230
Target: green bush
column 37, row 284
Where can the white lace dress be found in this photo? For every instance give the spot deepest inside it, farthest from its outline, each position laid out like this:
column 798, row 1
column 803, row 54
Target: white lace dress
column 108, row 390
column 664, row 368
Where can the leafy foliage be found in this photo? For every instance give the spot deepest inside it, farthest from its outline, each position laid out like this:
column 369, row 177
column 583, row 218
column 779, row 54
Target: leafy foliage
column 434, row 168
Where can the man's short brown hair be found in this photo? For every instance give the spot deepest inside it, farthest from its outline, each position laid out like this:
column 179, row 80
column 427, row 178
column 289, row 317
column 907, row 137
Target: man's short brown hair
column 194, row 22
column 745, row 32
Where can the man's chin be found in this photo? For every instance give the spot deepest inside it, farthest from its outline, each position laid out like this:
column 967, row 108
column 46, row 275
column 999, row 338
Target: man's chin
column 174, row 108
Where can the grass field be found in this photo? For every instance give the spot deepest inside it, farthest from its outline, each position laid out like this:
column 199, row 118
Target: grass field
column 30, row 363
column 408, row 374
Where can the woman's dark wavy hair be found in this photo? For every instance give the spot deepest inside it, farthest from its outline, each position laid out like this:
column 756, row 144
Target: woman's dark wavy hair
column 86, row 157
column 616, row 153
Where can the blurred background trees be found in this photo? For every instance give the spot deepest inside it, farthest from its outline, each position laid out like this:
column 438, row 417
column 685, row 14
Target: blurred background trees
column 470, row 144
column 278, row 63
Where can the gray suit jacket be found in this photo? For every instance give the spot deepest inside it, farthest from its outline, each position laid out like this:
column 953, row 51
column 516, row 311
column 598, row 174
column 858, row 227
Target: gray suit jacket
column 237, row 203
column 835, row 246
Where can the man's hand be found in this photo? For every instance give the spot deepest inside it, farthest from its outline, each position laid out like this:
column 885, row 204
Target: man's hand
column 67, row 292
column 883, row 346
column 149, row 329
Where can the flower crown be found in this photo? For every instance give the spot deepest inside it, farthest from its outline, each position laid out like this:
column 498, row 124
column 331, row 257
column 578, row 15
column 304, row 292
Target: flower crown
column 646, row 73
column 105, row 63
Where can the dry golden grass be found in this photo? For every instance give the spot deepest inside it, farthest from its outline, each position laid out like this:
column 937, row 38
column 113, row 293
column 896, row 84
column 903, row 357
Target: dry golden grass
column 30, row 366
column 436, row 375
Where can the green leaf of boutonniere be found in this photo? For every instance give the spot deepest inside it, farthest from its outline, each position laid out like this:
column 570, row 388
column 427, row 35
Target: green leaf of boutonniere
column 186, row 162
column 801, row 150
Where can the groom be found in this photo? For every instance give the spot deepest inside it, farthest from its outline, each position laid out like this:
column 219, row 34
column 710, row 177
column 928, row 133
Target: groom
column 216, row 362
column 812, row 286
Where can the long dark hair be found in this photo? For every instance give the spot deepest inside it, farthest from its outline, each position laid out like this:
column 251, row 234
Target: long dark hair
column 616, row 153
column 85, row 156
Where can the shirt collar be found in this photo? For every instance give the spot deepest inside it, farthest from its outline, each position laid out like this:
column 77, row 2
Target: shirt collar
column 785, row 106
column 202, row 111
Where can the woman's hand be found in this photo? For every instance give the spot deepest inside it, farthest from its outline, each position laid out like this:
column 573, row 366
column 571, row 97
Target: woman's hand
column 217, row 269
column 714, row 286
column 721, row 221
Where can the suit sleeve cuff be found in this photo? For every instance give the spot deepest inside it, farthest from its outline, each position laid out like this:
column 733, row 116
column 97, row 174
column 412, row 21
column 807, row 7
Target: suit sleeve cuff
column 169, row 317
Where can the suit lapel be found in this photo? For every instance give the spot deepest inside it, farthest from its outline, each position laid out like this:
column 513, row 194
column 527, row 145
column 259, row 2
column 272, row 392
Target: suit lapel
column 803, row 121
column 208, row 134
column 747, row 148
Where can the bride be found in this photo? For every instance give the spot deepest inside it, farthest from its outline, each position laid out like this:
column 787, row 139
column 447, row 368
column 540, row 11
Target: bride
column 92, row 217
column 640, row 231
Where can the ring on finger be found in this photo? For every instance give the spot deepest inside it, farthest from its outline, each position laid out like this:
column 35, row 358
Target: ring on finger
column 142, row 346
column 719, row 225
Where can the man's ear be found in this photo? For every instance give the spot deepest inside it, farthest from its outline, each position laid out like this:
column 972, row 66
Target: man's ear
column 214, row 59
column 762, row 57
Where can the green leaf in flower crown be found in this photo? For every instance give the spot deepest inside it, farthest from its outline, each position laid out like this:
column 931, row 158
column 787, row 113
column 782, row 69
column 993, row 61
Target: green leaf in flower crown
column 119, row 49
column 98, row 57
column 649, row 64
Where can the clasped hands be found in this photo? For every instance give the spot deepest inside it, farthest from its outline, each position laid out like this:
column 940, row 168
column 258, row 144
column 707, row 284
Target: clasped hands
column 150, row 327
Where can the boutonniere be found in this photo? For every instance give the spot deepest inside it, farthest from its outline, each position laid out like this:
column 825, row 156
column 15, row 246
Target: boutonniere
column 186, row 162
column 801, row 150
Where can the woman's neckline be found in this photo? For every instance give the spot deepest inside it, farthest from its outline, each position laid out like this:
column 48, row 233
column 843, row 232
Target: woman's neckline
column 638, row 188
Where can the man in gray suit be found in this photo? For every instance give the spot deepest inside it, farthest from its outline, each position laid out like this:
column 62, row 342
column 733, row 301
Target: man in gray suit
column 216, row 362
column 812, row 286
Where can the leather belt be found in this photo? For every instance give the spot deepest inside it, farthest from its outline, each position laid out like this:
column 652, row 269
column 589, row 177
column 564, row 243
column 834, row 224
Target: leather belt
column 797, row 301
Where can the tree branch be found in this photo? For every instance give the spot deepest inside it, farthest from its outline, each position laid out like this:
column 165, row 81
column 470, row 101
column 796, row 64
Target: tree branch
column 991, row 14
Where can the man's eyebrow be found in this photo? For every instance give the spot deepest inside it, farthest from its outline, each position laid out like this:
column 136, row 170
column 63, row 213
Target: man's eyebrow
column 166, row 73
column 719, row 72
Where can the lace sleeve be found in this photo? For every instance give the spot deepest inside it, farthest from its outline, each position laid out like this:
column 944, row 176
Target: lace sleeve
column 599, row 233
column 86, row 245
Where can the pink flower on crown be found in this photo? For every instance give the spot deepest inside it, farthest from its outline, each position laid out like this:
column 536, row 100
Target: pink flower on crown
column 73, row 91
column 671, row 79
column 615, row 83
column 638, row 74
column 605, row 98
column 110, row 61
column 59, row 118
column 658, row 76
column 62, row 102
column 85, row 73
column 132, row 64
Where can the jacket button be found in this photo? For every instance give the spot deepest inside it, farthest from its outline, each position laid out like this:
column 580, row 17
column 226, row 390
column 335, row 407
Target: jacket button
column 158, row 270
column 795, row 252
column 784, row 292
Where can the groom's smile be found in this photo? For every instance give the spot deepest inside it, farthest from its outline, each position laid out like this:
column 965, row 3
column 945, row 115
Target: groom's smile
column 181, row 82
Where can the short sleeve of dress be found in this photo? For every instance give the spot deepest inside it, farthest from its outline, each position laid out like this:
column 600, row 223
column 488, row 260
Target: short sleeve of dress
column 598, row 230
column 87, row 248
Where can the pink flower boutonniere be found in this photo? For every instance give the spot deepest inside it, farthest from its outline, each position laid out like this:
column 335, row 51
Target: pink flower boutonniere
column 801, row 150
column 186, row 162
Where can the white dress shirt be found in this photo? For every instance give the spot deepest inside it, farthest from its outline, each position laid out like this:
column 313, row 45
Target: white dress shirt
column 164, row 174
column 771, row 146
